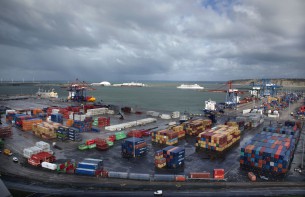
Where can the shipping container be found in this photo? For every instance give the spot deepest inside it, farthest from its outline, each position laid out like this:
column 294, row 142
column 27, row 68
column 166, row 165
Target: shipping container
column 139, row 176
column 270, row 151
column 118, row 175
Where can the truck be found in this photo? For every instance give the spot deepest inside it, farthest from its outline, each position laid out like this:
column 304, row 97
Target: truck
column 7, row 152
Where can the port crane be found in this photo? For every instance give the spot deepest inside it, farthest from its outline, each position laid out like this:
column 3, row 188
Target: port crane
column 78, row 91
column 232, row 97
column 264, row 88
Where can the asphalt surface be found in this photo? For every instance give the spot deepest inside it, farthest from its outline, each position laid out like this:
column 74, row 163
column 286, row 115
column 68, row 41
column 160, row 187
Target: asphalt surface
column 195, row 161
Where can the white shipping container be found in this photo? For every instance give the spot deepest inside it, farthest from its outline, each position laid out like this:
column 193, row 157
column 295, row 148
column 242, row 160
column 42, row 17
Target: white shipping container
column 55, row 111
column 43, row 145
column 48, row 165
column 111, row 112
column 10, row 111
column 165, row 116
column 176, row 114
column 245, row 111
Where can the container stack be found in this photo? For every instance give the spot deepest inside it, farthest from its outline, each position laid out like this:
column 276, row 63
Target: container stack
column 134, row 147
column 10, row 116
column 91, row 167
column 74, row 134
column 135, row 133
column 40, row 146
column 120, row 135
column 67, row 167
column 103, row 121
column 69, row 122
column 97, row 111
column 82, row 125
column 101, row 144
column 218, row 138
column 19, row 118
column 160, row 161
column 36, row 111
column 68, row 133
column 62, row 133
column 56, row 117
column 45, row 130
column 77, row 116
column 27, row 125
column 197, row 126
column 165, row 136
column 5, row 131
column 179, row 129
column 270, row 151
column 65, row 112
column 174, row 156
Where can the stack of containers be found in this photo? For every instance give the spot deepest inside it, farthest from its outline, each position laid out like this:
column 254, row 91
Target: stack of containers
column 91, row 167
column 218, row 138
column 40, row 146
column 10, row 115
column 69, row 123
column 56, row 117
column 134, row 133
column 120, row 135
column 83, row 126
column 67, row 167
column 68, row 133
column 74, row 134
column 36, row 111
column 46, row 130
column 28, row 124
column 51, row 110
column 197, row 126
column 62, row 133
column 65, row 112
column 19, row 119
column 103, row 121
column 271, row 151
column 179, row 129
column 5, row 131
column 174, row 156
column 165, row 136
column 134, row 147
column 96, row 111
column 101, row 144
column 160, row 161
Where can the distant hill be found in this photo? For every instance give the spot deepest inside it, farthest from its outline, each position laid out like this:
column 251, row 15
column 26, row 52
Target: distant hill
column 282, row 82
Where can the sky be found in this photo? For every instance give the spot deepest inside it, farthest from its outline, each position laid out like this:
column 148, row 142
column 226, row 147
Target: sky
column 138, row 40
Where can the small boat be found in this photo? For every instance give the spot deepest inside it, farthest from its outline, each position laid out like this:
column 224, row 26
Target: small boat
column 192, row 87
column 46, row 94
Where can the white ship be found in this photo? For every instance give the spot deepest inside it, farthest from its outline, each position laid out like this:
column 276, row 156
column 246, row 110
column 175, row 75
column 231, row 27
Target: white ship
column 103, row 83
column 193, row 87
column 46, row 94
column 132, row 84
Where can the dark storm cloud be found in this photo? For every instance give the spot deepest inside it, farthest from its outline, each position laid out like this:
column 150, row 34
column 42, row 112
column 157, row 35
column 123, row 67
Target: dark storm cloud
column 169, row 40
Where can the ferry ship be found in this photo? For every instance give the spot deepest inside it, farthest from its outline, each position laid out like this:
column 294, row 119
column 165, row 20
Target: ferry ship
column 193, row 87
column 46, row 94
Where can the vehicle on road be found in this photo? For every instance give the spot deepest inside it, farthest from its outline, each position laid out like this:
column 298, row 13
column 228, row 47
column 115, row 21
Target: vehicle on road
column 15, row 159
column 7, row 152
column 158, row 193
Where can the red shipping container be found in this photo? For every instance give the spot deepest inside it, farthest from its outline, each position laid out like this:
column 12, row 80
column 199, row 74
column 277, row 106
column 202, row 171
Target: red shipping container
column 219, row 173
column 200, row 175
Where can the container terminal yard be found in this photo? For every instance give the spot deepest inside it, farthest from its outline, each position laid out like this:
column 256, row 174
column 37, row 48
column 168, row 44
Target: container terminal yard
column 64, row 149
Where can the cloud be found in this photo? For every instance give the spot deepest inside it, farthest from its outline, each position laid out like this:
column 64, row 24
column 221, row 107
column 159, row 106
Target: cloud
column 151, row 40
